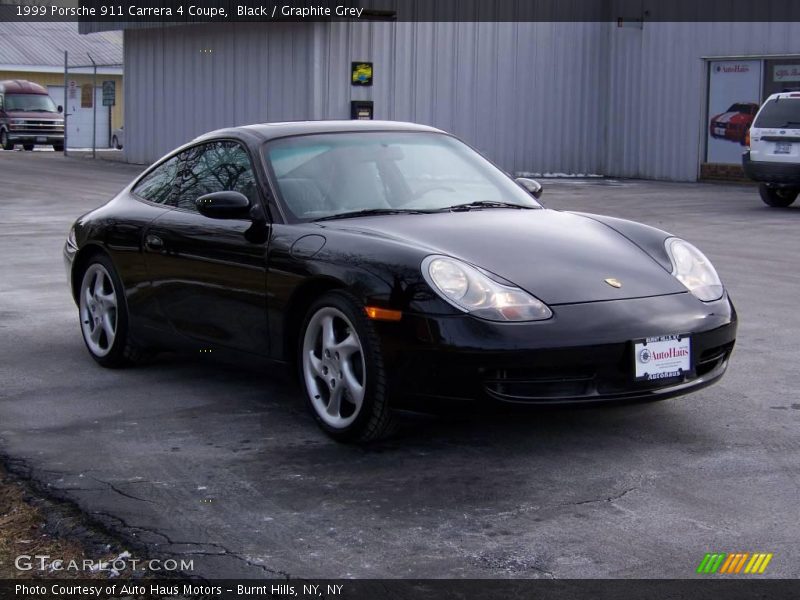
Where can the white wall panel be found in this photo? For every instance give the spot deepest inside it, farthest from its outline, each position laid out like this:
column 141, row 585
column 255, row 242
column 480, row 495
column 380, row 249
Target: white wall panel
column 177, row 89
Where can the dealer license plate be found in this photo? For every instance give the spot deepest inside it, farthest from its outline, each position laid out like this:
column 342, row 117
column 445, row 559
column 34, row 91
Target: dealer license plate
column 783, row 148
column 662, row 357
column 41, row 140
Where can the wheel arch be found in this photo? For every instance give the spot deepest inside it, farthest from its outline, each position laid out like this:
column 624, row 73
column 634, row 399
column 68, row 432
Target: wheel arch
column 79, row 265
column 297, row 307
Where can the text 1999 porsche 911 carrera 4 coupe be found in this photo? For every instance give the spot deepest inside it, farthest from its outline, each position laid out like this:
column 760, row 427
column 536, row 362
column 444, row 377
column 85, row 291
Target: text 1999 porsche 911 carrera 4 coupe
column 388, row 261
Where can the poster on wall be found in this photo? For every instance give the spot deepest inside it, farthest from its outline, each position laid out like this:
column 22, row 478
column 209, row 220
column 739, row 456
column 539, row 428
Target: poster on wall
column 734, row 88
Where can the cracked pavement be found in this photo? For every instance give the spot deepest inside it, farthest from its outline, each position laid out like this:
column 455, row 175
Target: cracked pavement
column 221, row 464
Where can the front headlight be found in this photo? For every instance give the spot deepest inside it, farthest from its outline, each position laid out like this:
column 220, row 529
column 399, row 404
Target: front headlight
column 470, row 290
column 694, row 270
column 71, row 241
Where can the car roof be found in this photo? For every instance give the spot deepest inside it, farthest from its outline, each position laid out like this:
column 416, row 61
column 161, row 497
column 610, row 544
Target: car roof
column 782, row 95
column 271, row 131
column 21, row 86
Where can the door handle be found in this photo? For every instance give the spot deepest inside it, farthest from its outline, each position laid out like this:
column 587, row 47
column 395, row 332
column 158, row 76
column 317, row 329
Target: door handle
column 153, row 242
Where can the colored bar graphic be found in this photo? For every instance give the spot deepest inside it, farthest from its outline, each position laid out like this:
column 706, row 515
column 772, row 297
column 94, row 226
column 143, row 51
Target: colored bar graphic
column 734, row 563
column 728, row 563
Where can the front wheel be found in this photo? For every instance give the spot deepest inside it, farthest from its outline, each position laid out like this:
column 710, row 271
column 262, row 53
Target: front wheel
column 5, row 143
column 58, row 147
column 28, row 147
column 342, row 371
column 104, row 315
column 777, row 197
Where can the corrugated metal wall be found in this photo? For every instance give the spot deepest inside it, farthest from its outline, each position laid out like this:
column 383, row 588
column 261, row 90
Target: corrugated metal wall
column 657, row 90
column 535, row 97
column 521, row 92
column 183, row 81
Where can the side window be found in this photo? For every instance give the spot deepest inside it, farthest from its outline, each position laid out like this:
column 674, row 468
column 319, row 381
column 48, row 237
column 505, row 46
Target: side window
column 214, row 167
column 157, row 186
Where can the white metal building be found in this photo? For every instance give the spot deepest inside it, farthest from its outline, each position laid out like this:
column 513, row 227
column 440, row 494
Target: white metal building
column 537, row 97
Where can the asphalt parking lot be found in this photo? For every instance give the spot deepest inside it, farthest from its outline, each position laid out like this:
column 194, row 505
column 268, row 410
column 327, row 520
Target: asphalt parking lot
column 224, row 466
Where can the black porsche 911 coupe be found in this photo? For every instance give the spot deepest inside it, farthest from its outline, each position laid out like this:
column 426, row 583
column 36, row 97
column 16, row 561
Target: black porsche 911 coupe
column 388, row 261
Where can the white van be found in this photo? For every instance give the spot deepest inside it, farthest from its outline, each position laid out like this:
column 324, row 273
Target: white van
column 774, row 155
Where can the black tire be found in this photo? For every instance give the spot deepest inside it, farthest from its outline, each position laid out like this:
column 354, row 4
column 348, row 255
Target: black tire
column 374, row 419
column 121, row 351
column 28, row 147
column 115, row 143
column 777, row 197
column 5, row 143
column 58, row 147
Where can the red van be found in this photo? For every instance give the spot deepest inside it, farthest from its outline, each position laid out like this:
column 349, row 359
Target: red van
column 28, row 116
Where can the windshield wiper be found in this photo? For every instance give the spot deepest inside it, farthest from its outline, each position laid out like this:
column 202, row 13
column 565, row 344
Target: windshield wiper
column 485, row 204
column 369, row 212
column 788, row 124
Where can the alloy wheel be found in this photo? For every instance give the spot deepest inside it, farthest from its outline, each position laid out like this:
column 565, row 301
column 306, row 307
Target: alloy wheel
column 333, row 367
column 98, row 310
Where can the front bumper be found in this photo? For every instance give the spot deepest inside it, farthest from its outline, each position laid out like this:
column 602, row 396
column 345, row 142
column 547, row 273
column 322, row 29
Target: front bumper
column 584, row 354
column 23, row 137
column 771, row 172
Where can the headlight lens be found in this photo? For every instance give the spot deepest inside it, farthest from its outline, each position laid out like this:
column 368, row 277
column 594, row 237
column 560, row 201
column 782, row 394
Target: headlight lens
column 694, row 270
column 470, row 290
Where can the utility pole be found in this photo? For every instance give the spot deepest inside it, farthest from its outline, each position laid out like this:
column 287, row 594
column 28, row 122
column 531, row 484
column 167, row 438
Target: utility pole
column 66, row 90
column 94, row 107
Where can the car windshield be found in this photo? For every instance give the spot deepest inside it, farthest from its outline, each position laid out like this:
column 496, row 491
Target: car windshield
column 29, row 103
column 784, row 112
column 362, row 173
column 741, row 108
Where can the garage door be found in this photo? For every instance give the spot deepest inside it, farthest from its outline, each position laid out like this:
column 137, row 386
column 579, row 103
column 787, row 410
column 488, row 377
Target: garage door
column 79, row 122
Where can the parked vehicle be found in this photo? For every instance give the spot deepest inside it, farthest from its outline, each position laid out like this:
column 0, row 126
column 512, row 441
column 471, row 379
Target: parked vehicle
column 773, row 156
column 118, row 138
column 733, row 123
column 28, row 116
column 389, row 261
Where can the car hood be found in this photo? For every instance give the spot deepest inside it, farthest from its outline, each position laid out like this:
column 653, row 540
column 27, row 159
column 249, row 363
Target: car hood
column 561, row 258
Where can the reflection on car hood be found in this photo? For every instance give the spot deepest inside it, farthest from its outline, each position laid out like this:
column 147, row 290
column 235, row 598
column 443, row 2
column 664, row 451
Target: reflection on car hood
column 559, row 257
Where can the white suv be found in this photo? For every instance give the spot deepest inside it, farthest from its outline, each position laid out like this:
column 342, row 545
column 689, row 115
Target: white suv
column 774, row 155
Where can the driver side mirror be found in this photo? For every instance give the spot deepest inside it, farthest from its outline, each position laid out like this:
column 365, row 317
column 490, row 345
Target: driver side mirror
column 533, row 187
column 60, row 108
column 224, row 205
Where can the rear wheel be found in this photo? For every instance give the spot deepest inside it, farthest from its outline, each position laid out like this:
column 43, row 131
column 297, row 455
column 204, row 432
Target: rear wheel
column 28, row 147
column 115, row 143
column 5, row 143
column 104, row 315
column 342, row 372
column 58, row 147
column 777, row 197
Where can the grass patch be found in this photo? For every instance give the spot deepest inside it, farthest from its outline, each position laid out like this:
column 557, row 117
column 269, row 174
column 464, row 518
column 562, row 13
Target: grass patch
column 32, row 525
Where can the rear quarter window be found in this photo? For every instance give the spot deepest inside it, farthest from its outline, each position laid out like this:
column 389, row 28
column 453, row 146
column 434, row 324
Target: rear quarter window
column 158, row 185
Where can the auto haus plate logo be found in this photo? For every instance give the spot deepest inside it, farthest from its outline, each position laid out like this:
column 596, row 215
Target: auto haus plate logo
column 662, row 357
column 737, row 563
